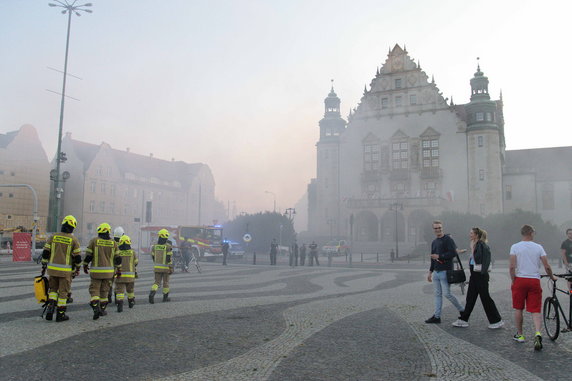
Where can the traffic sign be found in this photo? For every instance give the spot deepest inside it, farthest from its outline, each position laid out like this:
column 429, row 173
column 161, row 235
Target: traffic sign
column 247, row 237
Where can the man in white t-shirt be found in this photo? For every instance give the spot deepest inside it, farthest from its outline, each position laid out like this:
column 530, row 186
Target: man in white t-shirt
column 525, row 259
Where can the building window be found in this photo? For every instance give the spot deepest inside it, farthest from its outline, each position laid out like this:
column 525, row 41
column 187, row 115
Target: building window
column 413, row 99
column 90, row 227
column 92, row 206
column 328, row 132
column 398, row 83
column 92, row 186
column 400, row 155
column 371, row 157
column 548, row 196
column 99, row 171
column 508, row 192
column 430, row 153
column 102, row 206
column 109, row 171
column 0, row 194
column 112, row 189
column 103, row 188
column 398, row 101
column 384, row 102
column 112, row 207
column 1, row 172
column 489, row 116
column 481, row 174
column 12, row 173
column 10, row 195
column 480, row 141
column 479, row 117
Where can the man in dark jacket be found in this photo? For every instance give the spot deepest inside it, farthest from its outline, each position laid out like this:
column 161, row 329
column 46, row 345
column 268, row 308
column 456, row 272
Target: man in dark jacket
column 443, row 250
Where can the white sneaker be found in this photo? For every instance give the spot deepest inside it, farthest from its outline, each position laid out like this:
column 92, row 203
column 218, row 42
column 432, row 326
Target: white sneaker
column 496, row 325
column 460, row 323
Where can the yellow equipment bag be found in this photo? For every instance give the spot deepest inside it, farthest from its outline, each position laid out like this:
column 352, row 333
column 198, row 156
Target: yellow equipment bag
column 41, row 288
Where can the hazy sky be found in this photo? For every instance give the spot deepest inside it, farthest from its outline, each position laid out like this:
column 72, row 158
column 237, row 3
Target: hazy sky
column 239, row 85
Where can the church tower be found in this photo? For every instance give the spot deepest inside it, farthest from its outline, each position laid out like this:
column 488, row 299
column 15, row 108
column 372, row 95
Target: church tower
column 326, row 216
column 485, row 148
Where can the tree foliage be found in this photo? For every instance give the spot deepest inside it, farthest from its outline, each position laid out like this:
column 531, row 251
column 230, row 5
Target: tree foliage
column 503, row 230
column 263, row 227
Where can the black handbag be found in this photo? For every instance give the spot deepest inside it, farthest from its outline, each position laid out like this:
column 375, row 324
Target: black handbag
column 456, row 275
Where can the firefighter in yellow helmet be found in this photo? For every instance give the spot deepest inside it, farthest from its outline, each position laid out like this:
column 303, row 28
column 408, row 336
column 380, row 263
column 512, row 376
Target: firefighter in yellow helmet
column 101, row 252
column 163, row 265
column 61, row 257
column 128, row 270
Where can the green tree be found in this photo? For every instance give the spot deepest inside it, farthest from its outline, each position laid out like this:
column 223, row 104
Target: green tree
column 263, row 227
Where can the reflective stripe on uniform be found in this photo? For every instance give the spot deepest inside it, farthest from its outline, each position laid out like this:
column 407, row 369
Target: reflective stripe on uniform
column 162, row 267
column 102, row 269
column 127, row 275
column 59, row 267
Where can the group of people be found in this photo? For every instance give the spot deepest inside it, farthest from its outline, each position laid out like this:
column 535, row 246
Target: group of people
column 526, row 257
column 112, row 260
column 296, row 252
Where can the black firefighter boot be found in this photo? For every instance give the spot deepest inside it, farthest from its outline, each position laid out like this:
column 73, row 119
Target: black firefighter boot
column 131, row 302
column 70, row 299
column 152, row 296
column 102, row 307
column 120, row 306
column 61, row 315
column 50, row 310
column 166, row 297
column 95, row 306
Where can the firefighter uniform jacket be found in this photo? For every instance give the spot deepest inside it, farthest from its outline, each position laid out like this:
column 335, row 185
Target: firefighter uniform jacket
column 62, row 247
column 128, row 264
column 103, row 252
column 162, row 257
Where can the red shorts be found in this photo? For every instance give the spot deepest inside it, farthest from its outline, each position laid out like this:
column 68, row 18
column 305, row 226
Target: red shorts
column 527, row 291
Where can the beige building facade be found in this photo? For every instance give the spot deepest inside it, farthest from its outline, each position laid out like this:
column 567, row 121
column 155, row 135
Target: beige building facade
column 23, row 161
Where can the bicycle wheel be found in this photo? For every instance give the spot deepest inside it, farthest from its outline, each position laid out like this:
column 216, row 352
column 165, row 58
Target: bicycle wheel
column 551, row 318
column 198, row 266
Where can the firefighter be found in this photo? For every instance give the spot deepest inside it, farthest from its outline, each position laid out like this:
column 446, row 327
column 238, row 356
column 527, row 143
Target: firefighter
column 128, row 268
column 61, row 257
column 117, row 233
column 101, row 252
column 163, row 265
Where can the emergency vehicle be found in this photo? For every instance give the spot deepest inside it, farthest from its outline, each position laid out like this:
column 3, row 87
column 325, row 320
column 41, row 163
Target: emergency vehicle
column 205, row 240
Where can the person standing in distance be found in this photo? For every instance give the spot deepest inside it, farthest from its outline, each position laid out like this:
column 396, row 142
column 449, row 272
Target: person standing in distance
column 225, row 247
column 302, row 254
column 525, row 259
column 273, row 251
column 443, row 250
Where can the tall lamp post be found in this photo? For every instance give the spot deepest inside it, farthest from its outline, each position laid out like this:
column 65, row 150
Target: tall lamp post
column 273, row 195
column 60, row 156
column 396, row 206
column 290, row 212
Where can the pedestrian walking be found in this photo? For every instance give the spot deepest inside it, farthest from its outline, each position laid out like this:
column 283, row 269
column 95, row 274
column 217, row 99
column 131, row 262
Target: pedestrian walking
column 273, row 251
column 61, row 258
column 161, row 253
column 294, row 254
column 302, row 254
column 566, row 249
column 479, row 262
column 100, row 252
column 128, row 266
column 526, row 257
column 314, row 254
column 443, row 250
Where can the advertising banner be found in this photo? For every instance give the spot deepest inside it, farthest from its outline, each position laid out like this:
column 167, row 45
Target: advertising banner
column 22, row 249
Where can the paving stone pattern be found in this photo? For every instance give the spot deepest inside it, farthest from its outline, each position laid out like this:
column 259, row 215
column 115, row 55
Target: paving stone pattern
column 246, row 322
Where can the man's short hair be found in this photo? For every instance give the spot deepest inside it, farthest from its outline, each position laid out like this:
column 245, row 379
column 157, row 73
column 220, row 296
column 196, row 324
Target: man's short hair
column 526, row 230
column 437, row 222
column 568, row 230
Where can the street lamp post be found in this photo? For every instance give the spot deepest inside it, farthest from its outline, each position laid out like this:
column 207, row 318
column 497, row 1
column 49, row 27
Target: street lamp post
column 290, row 212
column 60, row 156
column 396, row 207
column 273, row 195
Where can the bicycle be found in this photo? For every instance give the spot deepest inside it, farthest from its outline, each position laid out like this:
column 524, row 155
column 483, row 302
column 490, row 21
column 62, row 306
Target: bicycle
column 552, row 309
column 195, row 261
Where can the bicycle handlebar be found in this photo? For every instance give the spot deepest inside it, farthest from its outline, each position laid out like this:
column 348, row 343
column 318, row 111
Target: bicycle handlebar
column 565, row 276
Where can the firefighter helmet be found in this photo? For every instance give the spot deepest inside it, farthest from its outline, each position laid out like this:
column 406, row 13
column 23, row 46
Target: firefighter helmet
column 118, row 232
column 124, row 240
column 163, row 233
column 70, row 220
column 104, row 228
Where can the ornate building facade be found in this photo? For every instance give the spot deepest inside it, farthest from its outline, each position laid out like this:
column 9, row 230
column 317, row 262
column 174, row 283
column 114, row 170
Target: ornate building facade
column 406, row 154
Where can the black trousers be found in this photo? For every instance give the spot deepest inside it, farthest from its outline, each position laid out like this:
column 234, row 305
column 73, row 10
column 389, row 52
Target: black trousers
column 479, row 286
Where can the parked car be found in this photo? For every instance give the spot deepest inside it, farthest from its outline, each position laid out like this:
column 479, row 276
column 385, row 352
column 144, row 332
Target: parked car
column 235, row 250
column 338, row 247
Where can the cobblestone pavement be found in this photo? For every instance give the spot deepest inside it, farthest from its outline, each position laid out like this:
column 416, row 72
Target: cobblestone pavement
column 245, row 322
